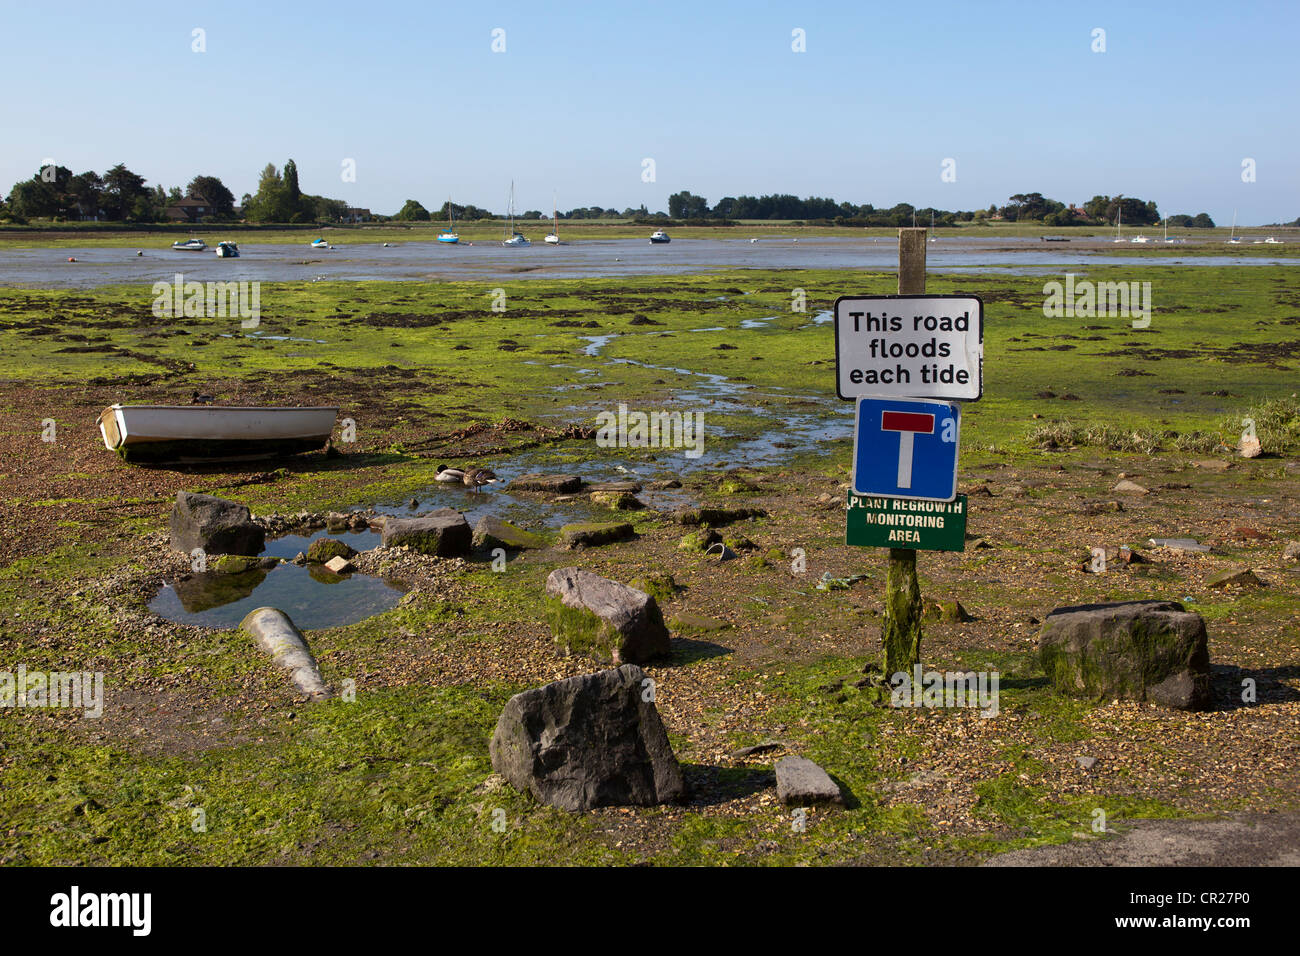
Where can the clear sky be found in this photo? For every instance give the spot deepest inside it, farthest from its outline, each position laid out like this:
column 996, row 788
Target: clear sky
column 711, row 91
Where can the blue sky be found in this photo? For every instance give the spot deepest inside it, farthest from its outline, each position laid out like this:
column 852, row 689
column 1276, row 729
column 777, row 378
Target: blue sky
column 712, row 92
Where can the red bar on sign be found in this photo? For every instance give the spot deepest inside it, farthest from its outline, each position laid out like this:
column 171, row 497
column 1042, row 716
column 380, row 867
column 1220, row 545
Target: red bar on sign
column 907, row 422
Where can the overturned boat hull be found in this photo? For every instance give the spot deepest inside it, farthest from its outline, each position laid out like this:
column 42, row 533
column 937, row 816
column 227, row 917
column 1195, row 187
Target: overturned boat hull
column 195, row 433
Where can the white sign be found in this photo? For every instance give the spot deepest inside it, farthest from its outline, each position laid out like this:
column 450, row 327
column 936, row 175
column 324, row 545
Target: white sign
column 910, row 346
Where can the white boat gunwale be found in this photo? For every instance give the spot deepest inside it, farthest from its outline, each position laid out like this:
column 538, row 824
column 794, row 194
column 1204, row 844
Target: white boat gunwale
column 215, row 423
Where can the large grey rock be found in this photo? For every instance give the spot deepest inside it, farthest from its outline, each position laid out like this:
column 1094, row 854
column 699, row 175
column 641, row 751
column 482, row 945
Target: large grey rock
column 555, row 484
column 603, row 619
column 801, row 783
column 589, row 741
column 1138, row 650
column 215, row 525
column 595, row 533
column 491, row 532
column 444, row 532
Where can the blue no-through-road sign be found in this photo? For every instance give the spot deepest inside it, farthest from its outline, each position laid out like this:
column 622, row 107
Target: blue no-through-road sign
column 906, row 449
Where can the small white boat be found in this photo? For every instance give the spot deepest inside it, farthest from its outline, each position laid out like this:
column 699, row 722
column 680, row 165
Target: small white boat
column 190, row 245
column 1119, row 221
column 227, row 250
column 659, row 236
column 554, row 237
column 1272, row 241
column 1139, row 239
column 158, row 433
column 320, row 244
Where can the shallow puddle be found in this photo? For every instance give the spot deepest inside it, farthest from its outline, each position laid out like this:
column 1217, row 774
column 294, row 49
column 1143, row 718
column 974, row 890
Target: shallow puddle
column 312, row 596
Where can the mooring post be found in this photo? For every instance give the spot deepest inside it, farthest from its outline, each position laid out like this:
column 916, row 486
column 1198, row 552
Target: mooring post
column 901, row 634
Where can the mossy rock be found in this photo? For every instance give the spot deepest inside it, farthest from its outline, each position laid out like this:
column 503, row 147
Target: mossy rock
column 617, row 500
column 739, row 543
column 233, row 564
column 699, row 540
column 1136, row 650
column 950, row 611
column 593, row 534
column 661, row 587
column 322, row 549
column 576, row 630
column 735, row 485
column 491, row 532
column 717, row 517
column 757, row 562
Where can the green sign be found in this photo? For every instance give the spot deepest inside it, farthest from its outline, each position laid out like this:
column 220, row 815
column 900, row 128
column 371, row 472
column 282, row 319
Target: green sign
column 907, row 523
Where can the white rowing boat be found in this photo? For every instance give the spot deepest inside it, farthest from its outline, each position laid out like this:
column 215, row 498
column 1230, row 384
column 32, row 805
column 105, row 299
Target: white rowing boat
column 213, row 432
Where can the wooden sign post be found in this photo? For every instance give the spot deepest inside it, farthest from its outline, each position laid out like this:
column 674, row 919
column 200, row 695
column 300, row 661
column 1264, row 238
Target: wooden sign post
column 907, row 361
column 900, row 635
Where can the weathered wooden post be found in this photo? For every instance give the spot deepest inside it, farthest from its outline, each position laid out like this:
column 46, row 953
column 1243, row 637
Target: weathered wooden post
column 906, row 361
column 900, row 636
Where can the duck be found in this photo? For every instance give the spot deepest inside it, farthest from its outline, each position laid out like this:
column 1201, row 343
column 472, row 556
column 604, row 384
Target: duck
column 449, row 474
column 478, row 477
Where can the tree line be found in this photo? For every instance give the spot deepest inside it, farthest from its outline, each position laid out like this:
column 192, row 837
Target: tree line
column 1022, row 207
column 120, row 195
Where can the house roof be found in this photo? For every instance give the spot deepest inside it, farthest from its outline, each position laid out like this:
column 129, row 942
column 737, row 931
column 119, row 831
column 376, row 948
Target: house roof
column 191, row 201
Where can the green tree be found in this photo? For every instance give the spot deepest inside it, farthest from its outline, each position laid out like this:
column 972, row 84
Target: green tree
column 33, row 199
column 684, row 205
column 86, row 190
column 123, row 192
column 412, row 211
column 214, row 192
column 271, row 202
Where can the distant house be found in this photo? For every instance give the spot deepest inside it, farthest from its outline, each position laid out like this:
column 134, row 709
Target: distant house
column 188, row 209
column 1079, row 214
column 356, row 215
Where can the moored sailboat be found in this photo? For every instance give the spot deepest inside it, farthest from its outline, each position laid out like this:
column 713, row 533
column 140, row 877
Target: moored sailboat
column 515, row 238
column 554, row 237
column 449, row 234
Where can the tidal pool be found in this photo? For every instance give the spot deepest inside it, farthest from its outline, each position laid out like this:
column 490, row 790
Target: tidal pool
column 312, row 596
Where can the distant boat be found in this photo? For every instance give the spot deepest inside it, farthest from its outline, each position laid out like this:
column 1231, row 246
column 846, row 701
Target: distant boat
column 1139, row 239
column 320, row 244
column 1167, row 239
column 190, row 245
column 1233, row 238
column 554, row 237
column 158, row 433
column 449, row 234
column 515, row 238
column 659, row 236
column 1119, row 219
column 227, row 250
column 1271, row 241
